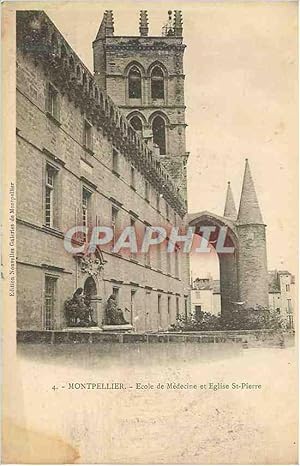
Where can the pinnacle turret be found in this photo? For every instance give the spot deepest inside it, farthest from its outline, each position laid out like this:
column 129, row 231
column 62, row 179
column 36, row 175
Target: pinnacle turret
column 107, row 25
column 230, row 209
column 178, row 27
column 249, row 210
column 144, row 29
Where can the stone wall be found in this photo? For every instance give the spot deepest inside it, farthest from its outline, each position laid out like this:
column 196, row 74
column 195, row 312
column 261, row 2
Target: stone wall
column 40, row 250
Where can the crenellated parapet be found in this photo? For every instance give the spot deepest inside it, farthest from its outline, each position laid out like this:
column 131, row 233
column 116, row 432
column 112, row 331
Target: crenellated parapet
column 38, row 37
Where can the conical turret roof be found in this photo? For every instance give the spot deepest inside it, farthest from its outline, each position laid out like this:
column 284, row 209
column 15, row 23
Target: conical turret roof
column 249, row 210
column 230, row 209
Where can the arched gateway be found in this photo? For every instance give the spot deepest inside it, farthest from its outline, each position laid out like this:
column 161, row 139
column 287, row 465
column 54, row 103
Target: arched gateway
column 243, row 272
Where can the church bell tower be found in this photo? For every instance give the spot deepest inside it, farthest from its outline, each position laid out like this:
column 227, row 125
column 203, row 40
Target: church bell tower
column 144, row 76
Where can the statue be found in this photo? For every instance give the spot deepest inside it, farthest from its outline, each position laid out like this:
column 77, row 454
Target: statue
column 78, row 310
column 113, row 314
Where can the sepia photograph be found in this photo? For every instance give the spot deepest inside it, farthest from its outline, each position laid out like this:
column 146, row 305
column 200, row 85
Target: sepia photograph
column 150, row 249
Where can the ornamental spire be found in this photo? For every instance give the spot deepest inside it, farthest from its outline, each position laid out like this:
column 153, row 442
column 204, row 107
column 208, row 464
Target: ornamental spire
column 230, row 209
column 178, row 28
column 107, row 25
column 249, row 210
column 144, row 29
column 109, row 30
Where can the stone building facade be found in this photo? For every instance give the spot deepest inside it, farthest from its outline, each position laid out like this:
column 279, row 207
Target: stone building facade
column 81, row 162
column 206, row 297
column 282, row 296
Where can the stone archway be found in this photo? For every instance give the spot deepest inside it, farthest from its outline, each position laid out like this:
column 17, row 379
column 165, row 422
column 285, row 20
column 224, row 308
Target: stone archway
column 228, row 262
column 243, row 273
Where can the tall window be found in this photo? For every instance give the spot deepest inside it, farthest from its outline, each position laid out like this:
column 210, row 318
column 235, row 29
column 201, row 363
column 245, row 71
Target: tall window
column 114, row 221
column 132, row 224
column 53, row 101
column 115, row 292
column 49, row 302
column 176, row 264
column 159, row 133
column 136, row 123
column 147, row 255
column 158, row 255
column 159, row 310
column 115, row 161
column 50, row 196
column 177, row 307
column 168, row 262
column 87, row 136
column 147, row 191
column 158, row 202
column 132, row 177
column 185, row 309
column 134, row 83
column 86, row 204
column 169, row 310
column 167, row 211
column 157, row 83
column 132, row 305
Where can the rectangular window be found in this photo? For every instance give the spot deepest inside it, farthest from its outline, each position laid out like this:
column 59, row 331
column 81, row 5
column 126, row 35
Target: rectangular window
column 49, row 302
column 159, row 311
column 167, row 211
column 147, row 191
column 176, row 264
column 169, row 310
column 86, row 207
column 133, row 255
column 185, row 309
column 115, row 292
column 148, row 311
column 168, row 262
column 289, row 302
column 177, row 307
column 287, row 287
column 132, row 177
column 50, row 196
column 158, row 253
column 114, row 222
column 132, row 306
column 147, row 257
column 53, row 101
column 115, row 161
column 158, row 202
column 88, row 135
column 198, row 313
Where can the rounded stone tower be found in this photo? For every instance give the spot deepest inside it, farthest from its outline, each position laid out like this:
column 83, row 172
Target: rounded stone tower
column 252, row 255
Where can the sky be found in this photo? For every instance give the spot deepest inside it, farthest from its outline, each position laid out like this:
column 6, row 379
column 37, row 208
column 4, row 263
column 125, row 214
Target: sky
column 241, row 97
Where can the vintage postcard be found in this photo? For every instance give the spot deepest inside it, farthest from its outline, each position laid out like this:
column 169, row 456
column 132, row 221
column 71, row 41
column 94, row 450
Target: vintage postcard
column 150, row 240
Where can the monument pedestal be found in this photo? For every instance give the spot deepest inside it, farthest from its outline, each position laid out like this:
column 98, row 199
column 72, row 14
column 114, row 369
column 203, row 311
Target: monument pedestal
column 83, row 329
column 117, row 328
